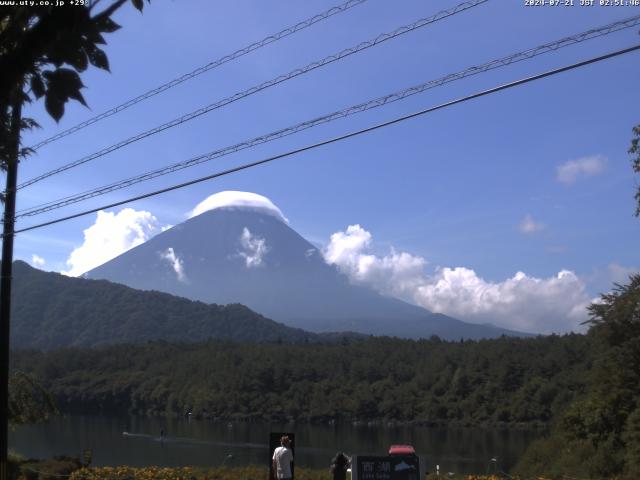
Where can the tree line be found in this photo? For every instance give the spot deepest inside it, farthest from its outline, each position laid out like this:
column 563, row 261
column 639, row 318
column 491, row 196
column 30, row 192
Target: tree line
column 488, row 382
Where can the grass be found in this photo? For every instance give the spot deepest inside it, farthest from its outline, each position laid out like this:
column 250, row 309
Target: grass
column 189, row 473
column 67, row 468
column 224, row 473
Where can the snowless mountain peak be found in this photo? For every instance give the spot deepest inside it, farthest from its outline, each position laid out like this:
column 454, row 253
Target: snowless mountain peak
column 232, row 199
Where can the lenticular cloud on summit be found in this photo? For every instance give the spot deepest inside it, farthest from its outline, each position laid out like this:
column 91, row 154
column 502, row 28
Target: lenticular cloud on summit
column 231, row 199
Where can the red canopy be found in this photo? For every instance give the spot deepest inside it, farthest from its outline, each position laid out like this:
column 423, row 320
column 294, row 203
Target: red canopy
column 402, row 450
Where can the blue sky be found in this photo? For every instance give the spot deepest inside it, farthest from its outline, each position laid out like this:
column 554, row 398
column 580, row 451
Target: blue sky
column 535, row 179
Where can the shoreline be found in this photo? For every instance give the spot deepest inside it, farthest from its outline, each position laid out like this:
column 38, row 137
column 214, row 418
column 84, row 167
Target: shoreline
column 327, row 422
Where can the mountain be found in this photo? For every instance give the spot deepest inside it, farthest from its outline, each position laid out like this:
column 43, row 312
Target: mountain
column 50, row 310
column 249, row 255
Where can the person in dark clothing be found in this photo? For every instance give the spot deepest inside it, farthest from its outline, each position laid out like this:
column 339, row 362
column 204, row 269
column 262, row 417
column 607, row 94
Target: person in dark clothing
column 339, row 465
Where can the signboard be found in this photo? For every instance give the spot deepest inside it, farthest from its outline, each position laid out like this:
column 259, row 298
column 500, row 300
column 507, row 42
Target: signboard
column 395, row 467
column 274, row 442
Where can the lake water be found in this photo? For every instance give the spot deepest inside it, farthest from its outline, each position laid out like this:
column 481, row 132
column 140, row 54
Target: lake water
column 205, row 443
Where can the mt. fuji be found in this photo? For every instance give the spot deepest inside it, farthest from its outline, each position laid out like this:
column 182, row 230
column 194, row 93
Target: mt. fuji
column 239, row 248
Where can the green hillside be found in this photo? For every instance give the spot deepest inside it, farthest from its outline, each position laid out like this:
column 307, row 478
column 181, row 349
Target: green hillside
column 52, row 311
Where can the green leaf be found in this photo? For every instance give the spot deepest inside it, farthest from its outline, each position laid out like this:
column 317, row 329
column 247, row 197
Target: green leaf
column 64, row 48
column 54, row 106
column 107, row 25
column 62, row 84
column 28, row 124
column 37, row 85
column 26, row 152
column 99, row 59
column 78, row 60
column 95, row 37
column 76, row 95
column 66, row 80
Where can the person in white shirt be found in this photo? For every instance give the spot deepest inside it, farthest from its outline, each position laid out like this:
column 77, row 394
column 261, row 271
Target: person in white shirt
column 282, row 460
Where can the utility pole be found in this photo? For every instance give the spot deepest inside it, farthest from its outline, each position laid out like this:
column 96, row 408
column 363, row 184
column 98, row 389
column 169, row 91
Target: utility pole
column 6, row 274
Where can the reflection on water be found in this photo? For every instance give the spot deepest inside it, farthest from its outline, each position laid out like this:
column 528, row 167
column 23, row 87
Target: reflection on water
column 141, row 441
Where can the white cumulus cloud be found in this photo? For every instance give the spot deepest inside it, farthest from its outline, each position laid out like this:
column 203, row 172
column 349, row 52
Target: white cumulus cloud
column 176, row 263
column 393, row 274
column 529, row 225
column 523, row 302
column 540, row 305
column 234, row 199
column 37, row 261
column 255, row 248
column 572, row 170
column 111, row 235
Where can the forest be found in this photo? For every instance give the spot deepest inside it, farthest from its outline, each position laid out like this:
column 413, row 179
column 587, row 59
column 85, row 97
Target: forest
column 489, row 382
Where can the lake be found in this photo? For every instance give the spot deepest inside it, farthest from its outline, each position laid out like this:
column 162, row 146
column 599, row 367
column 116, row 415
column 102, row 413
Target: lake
column 136, row 441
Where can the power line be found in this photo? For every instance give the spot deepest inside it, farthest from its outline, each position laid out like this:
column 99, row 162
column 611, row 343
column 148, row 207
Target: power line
column 527, row 54
column 289, row 153
column 371, row 104
column 205, row 68
column 258, row 88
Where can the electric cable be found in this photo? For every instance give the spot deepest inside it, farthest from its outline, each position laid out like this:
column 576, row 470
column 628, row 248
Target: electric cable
column 355, row 133
column 371, row 104
column 205, row 68
column 258, row 88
